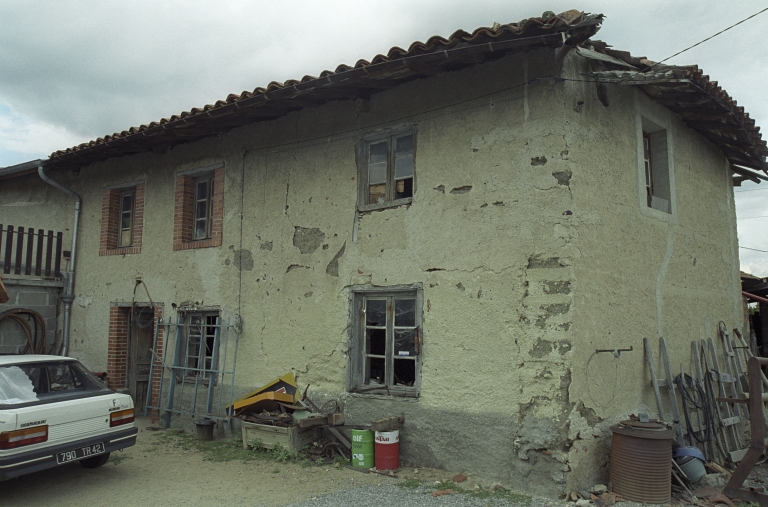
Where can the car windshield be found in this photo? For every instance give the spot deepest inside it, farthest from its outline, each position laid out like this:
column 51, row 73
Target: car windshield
column 46, row 382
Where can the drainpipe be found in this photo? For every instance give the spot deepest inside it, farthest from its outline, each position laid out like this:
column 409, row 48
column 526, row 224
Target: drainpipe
column 69, row 275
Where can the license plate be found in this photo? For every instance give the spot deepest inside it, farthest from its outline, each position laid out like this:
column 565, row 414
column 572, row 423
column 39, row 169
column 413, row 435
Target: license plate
column 78, row 454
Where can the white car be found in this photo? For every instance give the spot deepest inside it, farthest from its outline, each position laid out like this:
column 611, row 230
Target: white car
column 53, row 411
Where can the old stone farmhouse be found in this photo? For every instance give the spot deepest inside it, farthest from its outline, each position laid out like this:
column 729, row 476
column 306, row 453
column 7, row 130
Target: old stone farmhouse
column 447, row 232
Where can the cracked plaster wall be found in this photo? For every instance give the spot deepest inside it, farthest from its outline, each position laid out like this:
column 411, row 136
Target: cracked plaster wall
column 524, row 233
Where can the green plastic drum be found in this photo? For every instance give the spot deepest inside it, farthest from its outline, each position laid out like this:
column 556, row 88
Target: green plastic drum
column 362, row 448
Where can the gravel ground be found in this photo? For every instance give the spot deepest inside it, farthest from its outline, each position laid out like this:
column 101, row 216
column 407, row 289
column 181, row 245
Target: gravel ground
column 389, row 494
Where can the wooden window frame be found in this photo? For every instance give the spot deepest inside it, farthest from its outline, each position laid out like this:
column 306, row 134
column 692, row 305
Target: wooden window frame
column 356, row 381
column 362, row 155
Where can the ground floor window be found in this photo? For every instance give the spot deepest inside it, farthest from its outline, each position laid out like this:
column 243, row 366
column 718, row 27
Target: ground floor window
column 385, row 349
column 198, row 352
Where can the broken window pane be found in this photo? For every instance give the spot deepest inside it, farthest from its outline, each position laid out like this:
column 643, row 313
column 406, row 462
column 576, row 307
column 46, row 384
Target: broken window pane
column 404, row 188
column 376, row 312
column 405, row 312
column 374, row 370
column 404, row 372
column 376, row 341
column 405, row 344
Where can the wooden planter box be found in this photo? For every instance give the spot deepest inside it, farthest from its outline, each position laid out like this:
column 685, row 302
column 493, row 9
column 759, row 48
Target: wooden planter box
column 293, row 438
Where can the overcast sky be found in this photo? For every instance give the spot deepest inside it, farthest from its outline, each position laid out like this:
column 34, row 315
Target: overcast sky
column 72, row 71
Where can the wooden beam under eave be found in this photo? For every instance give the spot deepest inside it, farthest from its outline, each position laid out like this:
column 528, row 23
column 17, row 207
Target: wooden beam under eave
column 424, row 69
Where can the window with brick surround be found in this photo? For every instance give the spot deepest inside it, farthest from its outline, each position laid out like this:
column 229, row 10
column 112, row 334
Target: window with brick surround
column 122, row 220
column 198, row 211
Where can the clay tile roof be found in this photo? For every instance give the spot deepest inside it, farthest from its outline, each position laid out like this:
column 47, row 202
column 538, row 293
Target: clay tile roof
column 398, row 66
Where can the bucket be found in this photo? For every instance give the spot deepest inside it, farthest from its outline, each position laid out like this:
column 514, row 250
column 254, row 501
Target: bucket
column 362, row 448
column 691, row 462
column 204, row 429
column 387, row 450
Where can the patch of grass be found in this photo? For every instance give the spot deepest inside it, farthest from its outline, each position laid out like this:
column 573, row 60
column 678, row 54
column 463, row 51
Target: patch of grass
column 228, row 450
column 116, row 459
column 410, row 483
column 276, row 471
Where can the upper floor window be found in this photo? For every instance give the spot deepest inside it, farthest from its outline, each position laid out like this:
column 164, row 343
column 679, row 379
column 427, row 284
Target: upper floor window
column 655, row 168
column 203, row 206
column 122, row 218
column 199, row 209
column 387, row 169
column 127, row 200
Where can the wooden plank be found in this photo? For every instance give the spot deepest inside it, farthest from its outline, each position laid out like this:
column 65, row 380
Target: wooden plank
column 709, row 447
column 19, row 250
column 30, row 250
column 39, row 253
column 387, row 424
column 48, row 253
column 671, row 391
column 654, row 377
column 726, row 409
column 712, row 395
column 57, row 260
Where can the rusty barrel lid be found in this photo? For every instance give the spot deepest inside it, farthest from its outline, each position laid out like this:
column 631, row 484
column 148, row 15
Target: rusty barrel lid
column 649, row 430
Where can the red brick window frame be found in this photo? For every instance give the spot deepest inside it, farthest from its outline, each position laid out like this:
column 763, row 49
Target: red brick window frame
column 111, row 223
column 184, row 211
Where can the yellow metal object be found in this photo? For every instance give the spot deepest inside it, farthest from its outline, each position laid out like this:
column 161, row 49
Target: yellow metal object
column 282, row 389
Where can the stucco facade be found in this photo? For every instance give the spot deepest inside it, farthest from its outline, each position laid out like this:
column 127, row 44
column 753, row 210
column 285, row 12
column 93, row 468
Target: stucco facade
column 528, row 240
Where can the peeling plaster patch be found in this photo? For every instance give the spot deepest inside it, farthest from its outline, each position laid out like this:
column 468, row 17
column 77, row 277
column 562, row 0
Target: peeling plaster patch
column 556, row 287
column 460, row 286
column 308, row 294
column 325, row 246
column 541, row 349
column 266, row 246
column 498, row 203
column 333, row 266
column 563, row 177
column 83, row 301
column 539, row 160
column 461, row 190
column 307, row 240
column 295, row 266
column 244, row 260
column 587, row 413
column 440, row 188
column 551, row 311
column 552, row 262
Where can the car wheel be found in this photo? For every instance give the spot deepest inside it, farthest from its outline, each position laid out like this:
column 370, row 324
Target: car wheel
column 96, row 461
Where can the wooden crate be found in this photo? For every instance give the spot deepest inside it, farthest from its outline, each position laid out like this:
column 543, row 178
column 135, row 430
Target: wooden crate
column 292, row 438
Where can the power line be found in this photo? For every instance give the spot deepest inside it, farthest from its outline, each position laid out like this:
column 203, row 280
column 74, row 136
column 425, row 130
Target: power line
column 712, row 36
column 754, row 249
column 747, row 218
column 753, row 190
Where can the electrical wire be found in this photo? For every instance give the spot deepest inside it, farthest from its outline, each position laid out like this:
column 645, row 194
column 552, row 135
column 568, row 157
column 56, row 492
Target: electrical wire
column 751, row 190
column 711, row 36
column 693, row 394
column 747, row 218
column 754, row 249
